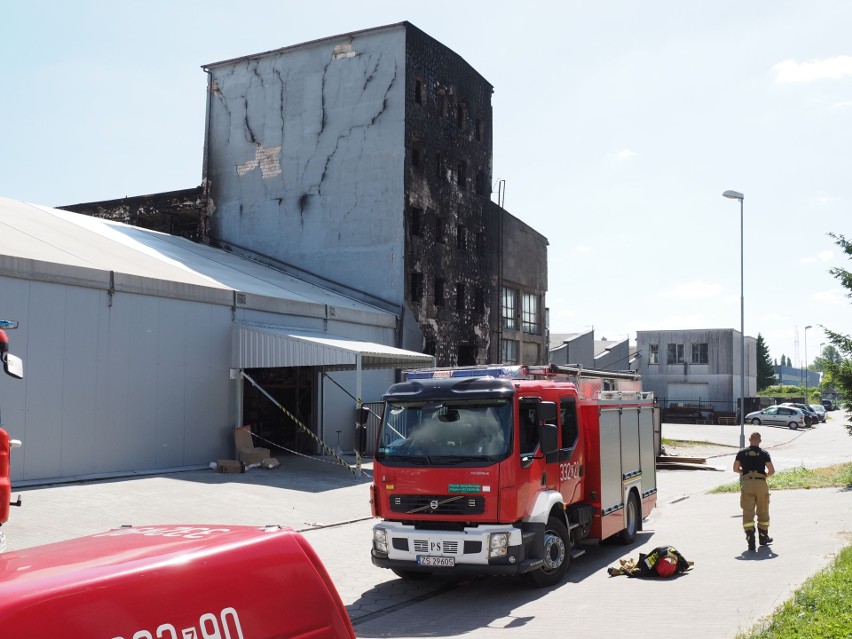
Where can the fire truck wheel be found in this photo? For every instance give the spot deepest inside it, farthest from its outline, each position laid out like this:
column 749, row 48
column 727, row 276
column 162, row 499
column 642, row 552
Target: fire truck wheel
column 557, row 555
column 628, row 535
column 411, row 575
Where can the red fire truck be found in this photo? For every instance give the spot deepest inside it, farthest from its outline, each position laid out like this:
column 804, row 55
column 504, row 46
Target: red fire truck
column 510, row 470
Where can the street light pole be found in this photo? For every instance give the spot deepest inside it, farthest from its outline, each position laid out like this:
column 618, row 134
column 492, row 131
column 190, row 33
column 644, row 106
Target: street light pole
column 807, row 401
column 735, row 195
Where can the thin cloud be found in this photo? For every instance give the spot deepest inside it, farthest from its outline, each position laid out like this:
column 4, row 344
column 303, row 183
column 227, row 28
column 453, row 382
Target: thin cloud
column 692, row 291
column 827, row 69
column 624, row 155
column 822, row 256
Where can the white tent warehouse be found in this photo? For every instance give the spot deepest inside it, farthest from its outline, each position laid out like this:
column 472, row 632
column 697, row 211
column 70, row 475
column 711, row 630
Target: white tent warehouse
column 133, row 342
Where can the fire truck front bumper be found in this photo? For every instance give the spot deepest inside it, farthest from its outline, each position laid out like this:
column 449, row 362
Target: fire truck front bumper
column 487, row 549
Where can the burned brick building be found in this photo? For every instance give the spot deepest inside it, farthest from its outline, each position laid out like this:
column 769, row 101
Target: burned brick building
column 365, row 161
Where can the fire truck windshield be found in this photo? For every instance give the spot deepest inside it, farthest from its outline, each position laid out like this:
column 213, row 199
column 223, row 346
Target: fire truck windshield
column 445, row 433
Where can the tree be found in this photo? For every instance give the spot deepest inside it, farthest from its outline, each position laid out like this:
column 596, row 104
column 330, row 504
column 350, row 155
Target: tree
column 840, row 373
column 765, row 370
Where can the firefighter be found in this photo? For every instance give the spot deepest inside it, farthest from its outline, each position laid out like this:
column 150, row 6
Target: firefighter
column 755, row 465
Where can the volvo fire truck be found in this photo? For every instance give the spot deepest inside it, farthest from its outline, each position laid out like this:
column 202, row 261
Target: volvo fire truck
column 510, row 470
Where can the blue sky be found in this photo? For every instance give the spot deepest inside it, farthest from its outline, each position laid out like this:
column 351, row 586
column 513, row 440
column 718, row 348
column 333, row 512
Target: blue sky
column 617, row 126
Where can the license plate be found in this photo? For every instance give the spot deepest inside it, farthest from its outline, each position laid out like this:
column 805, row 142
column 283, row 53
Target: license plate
column 429, row 560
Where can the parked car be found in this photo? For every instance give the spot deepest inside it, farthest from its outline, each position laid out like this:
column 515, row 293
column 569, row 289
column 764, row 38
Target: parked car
column 828, row 404
column 787, row 416
column 810, row 415
column 819, row 409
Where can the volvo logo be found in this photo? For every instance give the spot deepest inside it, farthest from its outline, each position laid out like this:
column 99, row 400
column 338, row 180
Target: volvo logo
column 433, row 504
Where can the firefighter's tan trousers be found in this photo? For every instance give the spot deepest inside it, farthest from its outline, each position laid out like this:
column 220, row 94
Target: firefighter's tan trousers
column 754, row 496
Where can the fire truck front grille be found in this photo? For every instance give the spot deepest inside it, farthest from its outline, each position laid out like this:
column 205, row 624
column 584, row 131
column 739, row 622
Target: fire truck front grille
column 438, row 504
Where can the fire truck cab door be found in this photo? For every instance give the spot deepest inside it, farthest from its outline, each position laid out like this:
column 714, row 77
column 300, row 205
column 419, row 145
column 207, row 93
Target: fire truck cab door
column 570, row 452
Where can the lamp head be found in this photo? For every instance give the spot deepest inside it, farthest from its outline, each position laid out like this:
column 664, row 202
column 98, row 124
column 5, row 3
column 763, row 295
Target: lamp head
column 733, row 195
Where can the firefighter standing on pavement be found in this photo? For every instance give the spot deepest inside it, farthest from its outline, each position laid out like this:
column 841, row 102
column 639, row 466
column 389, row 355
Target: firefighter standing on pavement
column 755, row 465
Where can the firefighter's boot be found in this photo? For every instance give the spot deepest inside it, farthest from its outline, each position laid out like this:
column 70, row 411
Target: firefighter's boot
column 764, row 537
column 750, row 539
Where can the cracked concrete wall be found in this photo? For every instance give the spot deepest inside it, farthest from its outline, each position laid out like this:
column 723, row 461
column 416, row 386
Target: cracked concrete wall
column 305, row 157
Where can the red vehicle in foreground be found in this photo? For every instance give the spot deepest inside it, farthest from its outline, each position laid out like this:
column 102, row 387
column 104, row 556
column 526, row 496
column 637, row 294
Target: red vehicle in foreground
column 171, row 582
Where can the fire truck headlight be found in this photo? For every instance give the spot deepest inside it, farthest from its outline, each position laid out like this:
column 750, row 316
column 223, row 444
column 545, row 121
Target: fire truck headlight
column 380, row 540
column 498, row 545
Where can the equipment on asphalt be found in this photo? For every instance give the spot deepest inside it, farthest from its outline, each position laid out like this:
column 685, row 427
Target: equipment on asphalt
column 510, row 469
column 663, row 561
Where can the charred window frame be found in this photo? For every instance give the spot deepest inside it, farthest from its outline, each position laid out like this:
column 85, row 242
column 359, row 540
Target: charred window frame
column 415, row 216
column 415, row 289
column 460, row 297
column 461, row 116
column 479, row 300
column 418, row 91
column 443, row 102
column 479, row 132
column 440, row 230
column 416, row 152
column 439, row 291
column 440, row 165
column 461, row 175
column 461, row 237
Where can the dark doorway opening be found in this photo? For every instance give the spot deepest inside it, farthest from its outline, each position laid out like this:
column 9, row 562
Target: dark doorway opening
column 294, row 389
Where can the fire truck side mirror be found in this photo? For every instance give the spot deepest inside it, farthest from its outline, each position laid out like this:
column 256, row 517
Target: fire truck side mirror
column 547, row 411
column 549, row 432
column 548, row 438
column 361, row 415
column 13, row 365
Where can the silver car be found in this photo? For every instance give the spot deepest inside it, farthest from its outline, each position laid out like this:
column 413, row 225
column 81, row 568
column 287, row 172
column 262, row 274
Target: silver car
column 787, row 416
column 819, row 409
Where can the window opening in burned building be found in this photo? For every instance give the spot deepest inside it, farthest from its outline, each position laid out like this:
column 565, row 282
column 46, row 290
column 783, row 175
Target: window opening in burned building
column 460, row 305
column 416, row 287
column 461, row 237
column 467, row 355
column 479, row 300
column 440, row 165
column 462, row 174
column 439, row 230
column 415, row 215
column 418, row 91
column 439, row 292
column 416, row 152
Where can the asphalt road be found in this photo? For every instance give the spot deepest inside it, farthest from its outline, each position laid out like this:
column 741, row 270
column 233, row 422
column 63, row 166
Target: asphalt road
column 728, row 590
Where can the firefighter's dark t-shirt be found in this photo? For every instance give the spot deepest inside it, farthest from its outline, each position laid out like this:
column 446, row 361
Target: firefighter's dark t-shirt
column 753, row 458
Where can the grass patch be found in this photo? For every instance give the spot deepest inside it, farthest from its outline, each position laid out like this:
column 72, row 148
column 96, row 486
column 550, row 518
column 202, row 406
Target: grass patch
column 820, row 609
column 837, row 476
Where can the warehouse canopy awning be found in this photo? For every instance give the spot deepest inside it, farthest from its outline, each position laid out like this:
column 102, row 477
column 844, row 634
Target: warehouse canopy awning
column 267, row 346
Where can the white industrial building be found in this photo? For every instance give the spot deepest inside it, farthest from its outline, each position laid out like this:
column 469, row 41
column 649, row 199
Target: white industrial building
column 133, row 344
